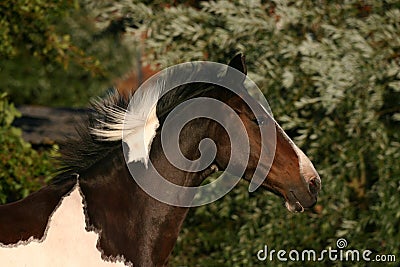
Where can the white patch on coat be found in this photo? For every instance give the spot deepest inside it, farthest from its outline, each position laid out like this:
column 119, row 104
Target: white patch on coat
column 307, row 169
column 135, row 126
column 66, row 242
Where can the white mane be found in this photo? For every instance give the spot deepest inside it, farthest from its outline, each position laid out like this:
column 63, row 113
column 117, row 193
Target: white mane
column 136, row 126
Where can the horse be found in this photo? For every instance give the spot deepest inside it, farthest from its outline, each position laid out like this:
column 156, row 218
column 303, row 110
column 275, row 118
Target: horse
column 94, row 214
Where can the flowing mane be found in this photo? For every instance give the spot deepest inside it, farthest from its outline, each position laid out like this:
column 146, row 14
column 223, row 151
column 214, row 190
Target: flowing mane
column 100, row 134
column 80, row 153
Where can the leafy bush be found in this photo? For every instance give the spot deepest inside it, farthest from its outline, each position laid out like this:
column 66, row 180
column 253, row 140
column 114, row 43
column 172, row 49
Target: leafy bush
column 29, row 25
column 22, row 169
column 73, row 61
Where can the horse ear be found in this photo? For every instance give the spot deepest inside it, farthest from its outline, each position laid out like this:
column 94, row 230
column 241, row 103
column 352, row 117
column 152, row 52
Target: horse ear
column 239, row 62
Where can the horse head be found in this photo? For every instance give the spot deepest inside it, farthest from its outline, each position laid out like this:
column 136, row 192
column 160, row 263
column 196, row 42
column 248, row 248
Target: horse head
column 276, row 163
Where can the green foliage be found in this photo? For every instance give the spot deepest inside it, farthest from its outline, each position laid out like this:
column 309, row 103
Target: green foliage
column 28, row 27
column 85, row 65
column 331, row 73
column 22, row 169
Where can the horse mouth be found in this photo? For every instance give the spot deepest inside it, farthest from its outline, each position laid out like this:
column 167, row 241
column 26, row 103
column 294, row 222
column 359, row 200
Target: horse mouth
column 293, row 204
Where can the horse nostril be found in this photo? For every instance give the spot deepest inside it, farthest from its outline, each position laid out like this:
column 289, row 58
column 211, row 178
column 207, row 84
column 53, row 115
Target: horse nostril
column 314, row 186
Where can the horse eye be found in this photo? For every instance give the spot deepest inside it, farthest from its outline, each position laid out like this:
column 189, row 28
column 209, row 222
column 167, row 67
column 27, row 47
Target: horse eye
column 261, row 120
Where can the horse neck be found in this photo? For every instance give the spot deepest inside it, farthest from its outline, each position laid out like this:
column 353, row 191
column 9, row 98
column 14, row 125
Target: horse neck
column 132, row 224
